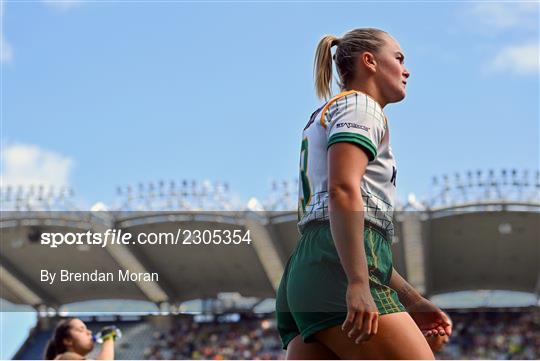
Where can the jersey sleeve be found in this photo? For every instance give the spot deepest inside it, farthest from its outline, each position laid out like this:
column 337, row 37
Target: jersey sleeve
column 356, row 118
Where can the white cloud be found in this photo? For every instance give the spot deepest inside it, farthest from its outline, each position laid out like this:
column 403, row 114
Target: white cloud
column 517, row 59
column 25, row 164
column 506, row 15
column 62, row 5
column 6, row 54
column 514, row 20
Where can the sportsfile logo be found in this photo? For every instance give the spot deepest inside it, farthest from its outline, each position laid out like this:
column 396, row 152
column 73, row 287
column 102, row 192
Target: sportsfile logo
column 121, row 237
column 352, row 125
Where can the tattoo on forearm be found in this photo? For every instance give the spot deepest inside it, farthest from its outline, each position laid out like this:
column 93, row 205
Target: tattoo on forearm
column 407, row 294
column 405, row 290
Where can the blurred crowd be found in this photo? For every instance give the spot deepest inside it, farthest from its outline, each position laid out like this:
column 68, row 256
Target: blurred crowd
column 503, row 335
column 247, row 339
column 477, row 335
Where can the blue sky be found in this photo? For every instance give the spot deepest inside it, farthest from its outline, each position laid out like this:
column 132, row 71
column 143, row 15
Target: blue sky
column 100, row 94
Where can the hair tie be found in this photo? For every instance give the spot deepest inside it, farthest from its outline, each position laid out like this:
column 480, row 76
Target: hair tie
column 336, row 42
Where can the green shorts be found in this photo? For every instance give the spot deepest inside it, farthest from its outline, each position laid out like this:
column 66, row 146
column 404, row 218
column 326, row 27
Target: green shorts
column 312, row 293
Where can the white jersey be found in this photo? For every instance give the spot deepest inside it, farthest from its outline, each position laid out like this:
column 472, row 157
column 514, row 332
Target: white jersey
column 356, row 118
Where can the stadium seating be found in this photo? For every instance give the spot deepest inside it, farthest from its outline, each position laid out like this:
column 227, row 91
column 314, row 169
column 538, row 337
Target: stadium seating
column 478, row 334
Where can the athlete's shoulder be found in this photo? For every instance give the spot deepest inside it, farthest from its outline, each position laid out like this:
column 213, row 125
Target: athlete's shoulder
column 342, row 99
column 345, row 102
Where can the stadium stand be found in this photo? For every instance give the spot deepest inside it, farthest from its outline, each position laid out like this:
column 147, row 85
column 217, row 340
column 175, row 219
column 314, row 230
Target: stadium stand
column 478, row 232
column 248, row 338
column 478, row 334
column 494, row 335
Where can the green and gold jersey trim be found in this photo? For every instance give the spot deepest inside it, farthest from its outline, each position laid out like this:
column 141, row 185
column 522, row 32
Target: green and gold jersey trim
column 357, row 139
column 332, row 101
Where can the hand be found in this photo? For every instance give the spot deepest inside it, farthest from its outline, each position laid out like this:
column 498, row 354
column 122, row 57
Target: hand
column 362, row 314
column 109, row 333
column 429, row 318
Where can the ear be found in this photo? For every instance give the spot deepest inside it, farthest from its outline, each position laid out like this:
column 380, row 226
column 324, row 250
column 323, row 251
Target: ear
column 68, row 342
column 368, row 61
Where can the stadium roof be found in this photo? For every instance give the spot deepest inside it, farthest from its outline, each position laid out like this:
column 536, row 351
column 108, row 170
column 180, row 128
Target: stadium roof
column 185, row 271
column 438, row 252
column 482, row 250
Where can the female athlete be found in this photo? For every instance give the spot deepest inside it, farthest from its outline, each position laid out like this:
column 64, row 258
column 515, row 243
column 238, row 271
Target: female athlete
column 340, row 296
column 71, row 340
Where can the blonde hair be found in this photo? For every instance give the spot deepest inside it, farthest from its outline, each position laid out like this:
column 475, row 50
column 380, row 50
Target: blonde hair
column 348, row 48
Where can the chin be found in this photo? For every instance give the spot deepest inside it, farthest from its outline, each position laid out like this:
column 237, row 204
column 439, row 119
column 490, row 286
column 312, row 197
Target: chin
column 402, row 93
column 397, row 98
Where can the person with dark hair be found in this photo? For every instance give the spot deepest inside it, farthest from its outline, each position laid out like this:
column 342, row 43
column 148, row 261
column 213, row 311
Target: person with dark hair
column 340, row 296
column 71, row 340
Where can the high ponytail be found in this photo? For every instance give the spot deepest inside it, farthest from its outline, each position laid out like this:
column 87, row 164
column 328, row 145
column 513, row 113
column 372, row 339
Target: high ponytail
column 56, row 345
column 349, row 47
column 323, row 66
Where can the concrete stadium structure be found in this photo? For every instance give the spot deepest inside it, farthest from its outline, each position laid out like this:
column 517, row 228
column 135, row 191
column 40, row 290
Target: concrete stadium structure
column 439, row 248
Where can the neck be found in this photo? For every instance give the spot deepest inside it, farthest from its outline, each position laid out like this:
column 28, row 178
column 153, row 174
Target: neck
column 368, row 87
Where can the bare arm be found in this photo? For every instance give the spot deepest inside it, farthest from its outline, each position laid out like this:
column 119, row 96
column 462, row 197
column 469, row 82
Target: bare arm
column 430, row 319
column 346, row 166
column 107, row 350
column 407, row 294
